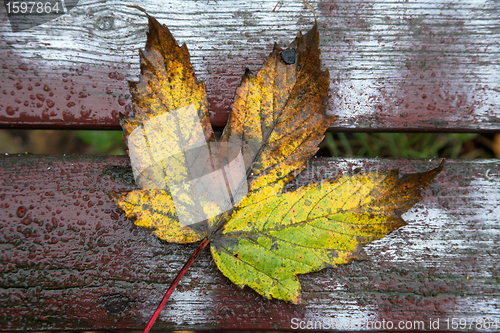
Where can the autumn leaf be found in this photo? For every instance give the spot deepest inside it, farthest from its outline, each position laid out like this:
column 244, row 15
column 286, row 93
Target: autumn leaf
column 230, row 194
column 279, row 115
column 265, row 245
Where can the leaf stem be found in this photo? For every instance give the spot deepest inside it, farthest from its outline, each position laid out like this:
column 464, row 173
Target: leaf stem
column 170, row 290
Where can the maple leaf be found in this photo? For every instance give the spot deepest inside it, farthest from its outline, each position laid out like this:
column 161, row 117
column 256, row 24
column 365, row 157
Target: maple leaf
column 230, row 194
column 267, row 243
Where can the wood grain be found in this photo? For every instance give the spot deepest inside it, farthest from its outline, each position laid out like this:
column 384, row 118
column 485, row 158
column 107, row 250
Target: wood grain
column 70, row 260
column 394, row 66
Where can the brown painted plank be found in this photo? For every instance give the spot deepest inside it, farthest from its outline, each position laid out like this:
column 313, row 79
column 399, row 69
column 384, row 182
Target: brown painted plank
column 394, row 66
column 70, row 260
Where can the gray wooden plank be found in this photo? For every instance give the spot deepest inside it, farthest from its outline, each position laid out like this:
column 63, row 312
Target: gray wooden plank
column 395, row 66
column 70, row 260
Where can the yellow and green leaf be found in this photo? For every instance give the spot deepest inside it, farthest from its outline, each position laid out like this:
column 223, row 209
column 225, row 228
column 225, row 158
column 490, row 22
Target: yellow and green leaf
column 277, row 120
column 170, row 117
column 279, row 115
column 266, row 244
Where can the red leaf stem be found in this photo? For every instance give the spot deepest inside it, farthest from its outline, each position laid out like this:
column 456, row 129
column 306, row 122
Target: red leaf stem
column 170, row 290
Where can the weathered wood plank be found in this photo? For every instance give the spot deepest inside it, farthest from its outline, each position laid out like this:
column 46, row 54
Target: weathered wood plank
column 70, row 260
column 395, row 66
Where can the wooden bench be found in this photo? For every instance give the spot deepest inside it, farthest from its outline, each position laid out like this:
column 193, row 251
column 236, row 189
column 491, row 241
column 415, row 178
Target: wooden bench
column 71, row 261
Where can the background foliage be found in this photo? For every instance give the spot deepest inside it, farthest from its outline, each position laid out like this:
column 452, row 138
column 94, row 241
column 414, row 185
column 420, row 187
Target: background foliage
column 397, row 145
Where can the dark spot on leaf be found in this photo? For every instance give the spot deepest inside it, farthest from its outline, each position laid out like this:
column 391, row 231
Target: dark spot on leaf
column 288, row 56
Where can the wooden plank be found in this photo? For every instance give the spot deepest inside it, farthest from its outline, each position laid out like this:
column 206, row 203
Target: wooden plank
column 70, row 260
column 394, row 66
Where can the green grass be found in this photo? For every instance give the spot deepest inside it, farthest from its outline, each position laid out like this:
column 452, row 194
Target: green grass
column 396, row 145
column 103, row 142
column 399, row 145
